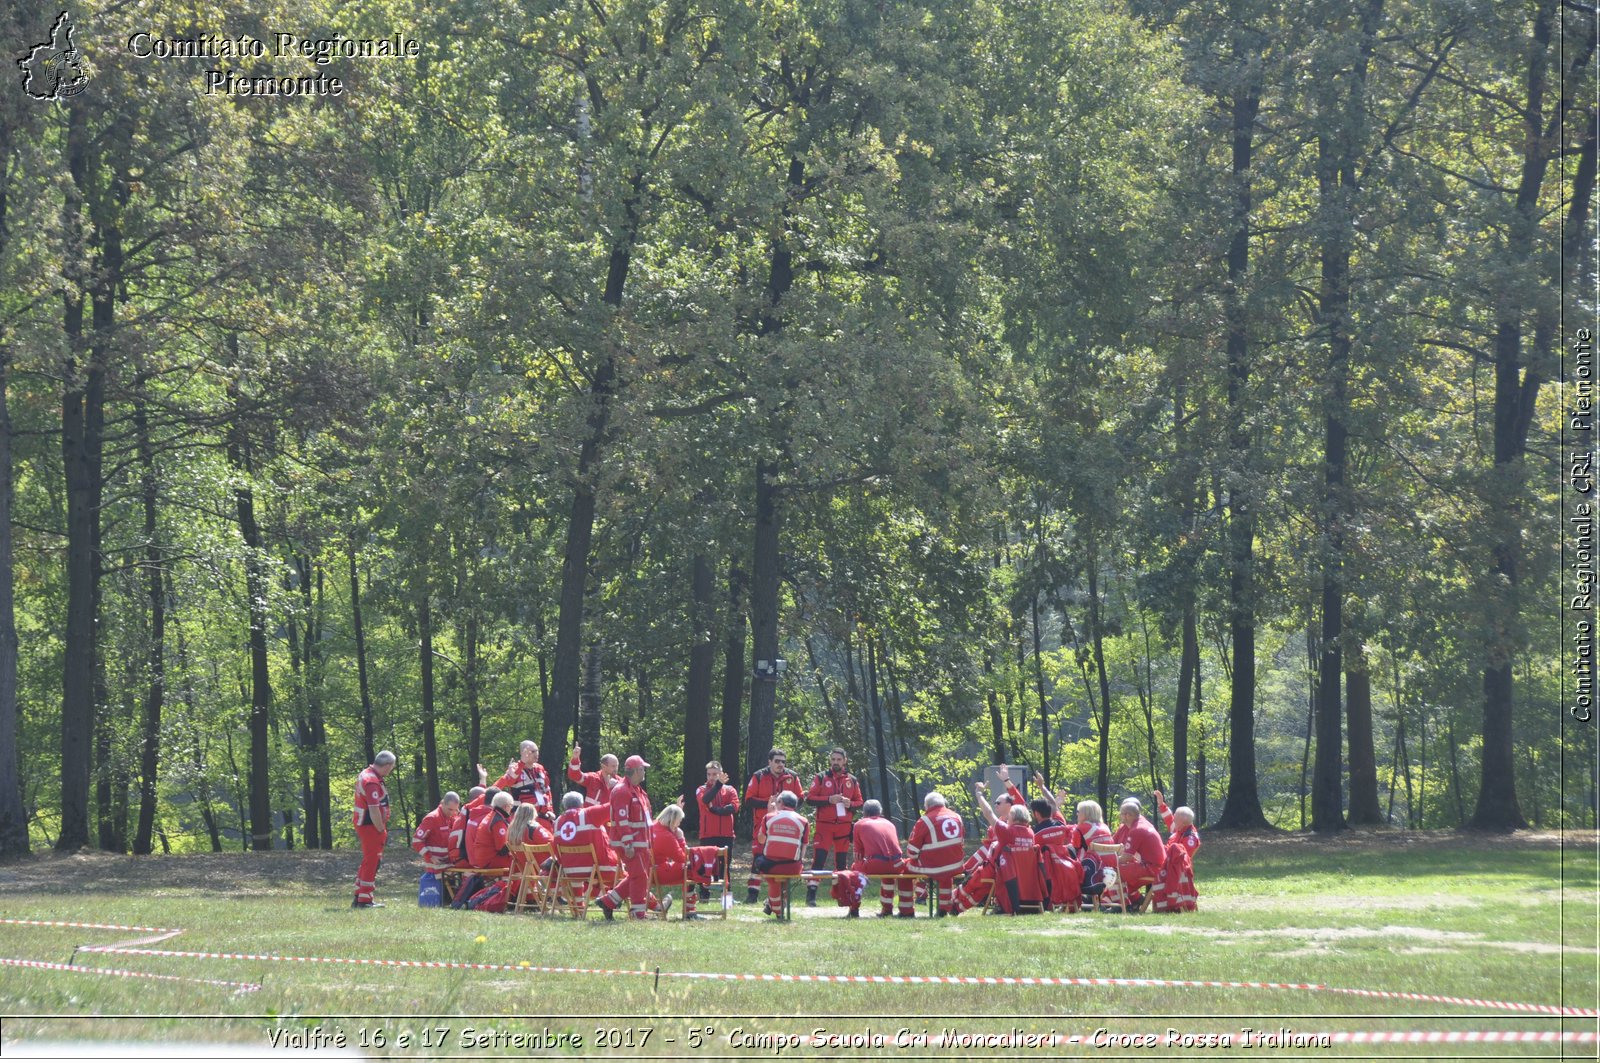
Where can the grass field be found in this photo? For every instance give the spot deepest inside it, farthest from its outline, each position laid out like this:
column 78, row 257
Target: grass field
column 1492, row 918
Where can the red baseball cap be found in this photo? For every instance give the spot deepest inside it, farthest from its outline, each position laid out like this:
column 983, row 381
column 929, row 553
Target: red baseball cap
column 635, row 761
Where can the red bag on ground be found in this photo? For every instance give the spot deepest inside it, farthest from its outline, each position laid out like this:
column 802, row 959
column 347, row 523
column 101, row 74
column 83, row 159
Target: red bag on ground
column 848, row 887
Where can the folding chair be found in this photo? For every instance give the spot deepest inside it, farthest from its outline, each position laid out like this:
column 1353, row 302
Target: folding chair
column 530, row 881
column 1115, row 893
column 575, row 879
column 1028, row 877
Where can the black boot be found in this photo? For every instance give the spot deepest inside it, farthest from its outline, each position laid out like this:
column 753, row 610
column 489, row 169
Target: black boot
column 811, row 896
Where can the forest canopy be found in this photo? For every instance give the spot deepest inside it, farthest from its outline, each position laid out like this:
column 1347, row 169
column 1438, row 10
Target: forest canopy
column 1165, row 396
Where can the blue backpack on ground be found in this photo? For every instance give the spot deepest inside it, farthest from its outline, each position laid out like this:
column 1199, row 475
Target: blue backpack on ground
column 430, row 891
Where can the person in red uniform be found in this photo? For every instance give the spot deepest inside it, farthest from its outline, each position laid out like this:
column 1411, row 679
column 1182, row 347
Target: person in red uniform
column 1092, row 830
column 523, row 830
column 719, row 803
column 527, row 781
column 936, row 847
column 432, row 837
column 1180, row 824
column 764, row 785
column 581, row 825
column 674, row 862
column 783, row 845
column 836, row 795
column 630, row 832
column 1143, row 855
column 596, row 784
column 1174, row 891
column 489, row 845
column 877, row 846
column 372, row 825
column 1056, row 839
column 458, row 828
column 981, row 867
column 1012, row 843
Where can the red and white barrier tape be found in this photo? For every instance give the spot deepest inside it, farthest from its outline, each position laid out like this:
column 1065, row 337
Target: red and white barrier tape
column 1451, row 1037
column 160, row 933
column 859, row 979
column 852, row 979
column 243, row 987
column 90, row 926
column 1281, row 1038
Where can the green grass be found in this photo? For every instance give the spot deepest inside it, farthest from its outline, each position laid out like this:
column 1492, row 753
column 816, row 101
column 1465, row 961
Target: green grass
column 1468, row 917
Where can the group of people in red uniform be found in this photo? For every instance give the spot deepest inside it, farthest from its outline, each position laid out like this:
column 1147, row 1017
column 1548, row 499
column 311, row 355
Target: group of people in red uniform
column 1030, row 858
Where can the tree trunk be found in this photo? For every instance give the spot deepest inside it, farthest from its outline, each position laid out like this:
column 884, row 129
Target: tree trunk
column 1363, row 756
column 430, row 739
column 1103, row 779
column 590, row 702
column 996, row 723
column 1188, row 663
column 320, row 794
column 83, row 396
column 369, row 749
column 1515, row 393
column 240, row 457
column 733, row 672
column 13, row 814
column 469, row 638
column 764, row 591
column 1242, row 806
column 697, row 688
column 562, row 708
column 1038, row 680
column 885, row 790
column 156, row 666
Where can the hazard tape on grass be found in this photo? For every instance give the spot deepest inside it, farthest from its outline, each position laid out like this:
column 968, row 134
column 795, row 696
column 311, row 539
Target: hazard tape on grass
column 859, row 979
column 132, row 949
column 41, row 965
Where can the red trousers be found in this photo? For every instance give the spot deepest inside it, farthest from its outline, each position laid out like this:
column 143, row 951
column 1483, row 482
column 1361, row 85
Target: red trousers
column 1134, row 875
column 372, row 840
column 636, row 881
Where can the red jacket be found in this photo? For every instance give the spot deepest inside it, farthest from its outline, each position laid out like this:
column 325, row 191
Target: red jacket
column 1142, row 842
column 763, row 784
column 787, row 834
column 534, row 835
column 531, row 786
column 1056, row 836
column 667, row 850
column 630, row 818
column 826, row 786
column 581, row 826
column 937, row 843
column 487, row 846
column 1188, row 836
column 371, row 795
column 432, row 839
column 595, row 787
column 876, row 839
column 715, row 823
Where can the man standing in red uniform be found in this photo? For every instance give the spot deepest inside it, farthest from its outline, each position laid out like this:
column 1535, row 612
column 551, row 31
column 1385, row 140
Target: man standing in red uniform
column 372, row 825
column 630, row 832
column 719, row 803
column 1143, row 855
column 527, row 781
column 596, row 784
column 835, row 795
column 764, row 785
column 877, row 845
column 936, row 847
column 432, row 839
